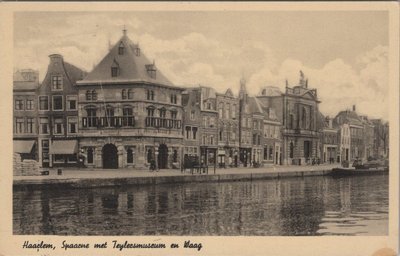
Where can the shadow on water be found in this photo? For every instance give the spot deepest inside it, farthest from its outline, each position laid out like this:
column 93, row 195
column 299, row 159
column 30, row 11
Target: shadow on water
column 281, row 207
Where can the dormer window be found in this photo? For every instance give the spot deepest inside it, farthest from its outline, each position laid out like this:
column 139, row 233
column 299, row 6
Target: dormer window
column 121, row 49
column 151, row 70
column 136, row 50
column 115, row 69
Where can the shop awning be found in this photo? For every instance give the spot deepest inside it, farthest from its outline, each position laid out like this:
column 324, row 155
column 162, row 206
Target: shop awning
column 23, row 146
column 64, row 147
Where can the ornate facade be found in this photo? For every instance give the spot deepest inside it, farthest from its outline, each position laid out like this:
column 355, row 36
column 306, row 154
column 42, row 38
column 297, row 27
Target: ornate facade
column 130, row 114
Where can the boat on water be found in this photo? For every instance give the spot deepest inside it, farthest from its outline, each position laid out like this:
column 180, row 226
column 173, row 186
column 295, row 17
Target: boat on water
column 359, row 168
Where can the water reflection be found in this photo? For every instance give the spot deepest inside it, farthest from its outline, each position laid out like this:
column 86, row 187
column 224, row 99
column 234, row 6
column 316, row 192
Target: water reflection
column 298, row 206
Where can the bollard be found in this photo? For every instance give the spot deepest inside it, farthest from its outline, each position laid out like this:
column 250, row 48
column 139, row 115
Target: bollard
column 59, row 171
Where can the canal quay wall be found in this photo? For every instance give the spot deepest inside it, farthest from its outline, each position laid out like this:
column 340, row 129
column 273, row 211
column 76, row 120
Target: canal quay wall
column 115, row 178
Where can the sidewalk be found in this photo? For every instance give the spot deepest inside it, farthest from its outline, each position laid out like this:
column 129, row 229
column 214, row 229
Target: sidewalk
column 79, row 174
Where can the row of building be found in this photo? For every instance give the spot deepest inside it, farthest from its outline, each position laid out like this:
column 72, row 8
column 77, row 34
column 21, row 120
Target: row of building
column 126, row 114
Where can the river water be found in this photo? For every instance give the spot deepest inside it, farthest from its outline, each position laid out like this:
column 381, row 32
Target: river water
column 283, row 207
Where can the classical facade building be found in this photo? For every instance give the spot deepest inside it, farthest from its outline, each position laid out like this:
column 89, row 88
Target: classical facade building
column 345, row 140
column 228, row 129
column 130, row 114
column 297, row 109
column 58, row 114
column 25, row 128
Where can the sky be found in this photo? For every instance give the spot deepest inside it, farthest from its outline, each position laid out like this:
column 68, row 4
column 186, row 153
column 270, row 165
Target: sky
column 344, row 54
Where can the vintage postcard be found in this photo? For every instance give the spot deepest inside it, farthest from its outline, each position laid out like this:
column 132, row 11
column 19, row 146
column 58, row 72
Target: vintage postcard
column 200, row 128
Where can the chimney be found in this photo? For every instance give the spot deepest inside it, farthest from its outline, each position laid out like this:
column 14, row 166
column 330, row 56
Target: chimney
column 354, row 108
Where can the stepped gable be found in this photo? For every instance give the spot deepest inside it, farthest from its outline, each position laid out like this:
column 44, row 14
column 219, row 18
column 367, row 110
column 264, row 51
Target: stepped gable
column 133, row 66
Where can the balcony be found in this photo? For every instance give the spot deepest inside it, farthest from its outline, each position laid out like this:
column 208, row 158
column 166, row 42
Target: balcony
column 159, row 122
column 104, row 122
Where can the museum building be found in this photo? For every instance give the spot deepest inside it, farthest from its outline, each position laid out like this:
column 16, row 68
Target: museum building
column 130, row 114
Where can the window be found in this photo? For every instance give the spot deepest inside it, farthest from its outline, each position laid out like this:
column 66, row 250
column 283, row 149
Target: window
column 204, row 139
column 162, row 112
column 265, row 153
column 270, row 153
column 19, row 105
column 91, row 117
column 221, row 110
column 130, row 94
column 220, row 134
column 211, row 139
column 150, row 111
column 129, row 156
column 44, row 125
column 192, row 114
column 121, row 49
column 114, row 71
column 175, row 156
column 150, row 95
column 173, row 98
column 58, row 126
column 19, row 125
column 228, row 110
column 29, row 125
column 234, row 111
column 56, row 82
column 124, row 95
column 291, row 150
column 187, row 128
column 29, row 104
column 194, row 131
column 72, row 125
column 128, row 116
column 71, row 103
column 90, row 156
column 58, row 102
column 173, row 114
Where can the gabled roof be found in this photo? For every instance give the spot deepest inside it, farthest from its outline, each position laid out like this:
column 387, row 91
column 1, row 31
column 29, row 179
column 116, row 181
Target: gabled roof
column 133, row 67
column 349, row 117
column 229, row 93
column 74, row 73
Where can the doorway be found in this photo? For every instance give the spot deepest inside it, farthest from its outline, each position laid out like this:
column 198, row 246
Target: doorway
column 110, row 156
column 162, row 157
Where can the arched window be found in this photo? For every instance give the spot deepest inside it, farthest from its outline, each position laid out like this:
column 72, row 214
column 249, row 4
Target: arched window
column 129, row 156
column 130, row 94
column 291, row 150
column 124, row 96
column 162, row 112
column 90, row 156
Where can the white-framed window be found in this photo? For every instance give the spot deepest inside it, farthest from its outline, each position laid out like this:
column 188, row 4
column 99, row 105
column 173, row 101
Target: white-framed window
column 44, row 125
column 58, row 103
column 29, row 125
column 72, row 125
column 19, row 104
column 72, row 102
column 56, row 83
column 30, row 104
column 19, row 125
column 58, row 126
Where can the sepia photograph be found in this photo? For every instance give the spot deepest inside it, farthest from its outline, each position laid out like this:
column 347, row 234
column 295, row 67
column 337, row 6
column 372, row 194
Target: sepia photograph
column 192, row 123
